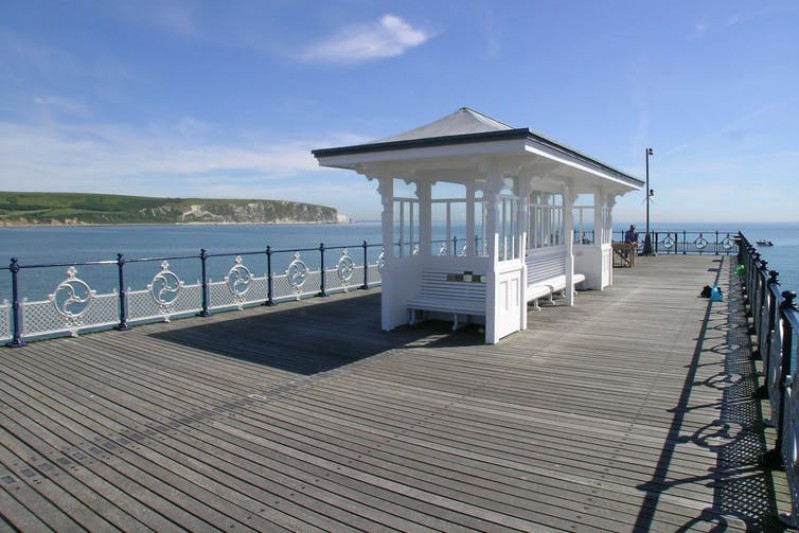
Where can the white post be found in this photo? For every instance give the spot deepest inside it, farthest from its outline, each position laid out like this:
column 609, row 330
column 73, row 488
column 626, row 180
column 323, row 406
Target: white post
column 491, row 195
column 386, row 190
column 471, row 191
column 568, row 229
column 424, row 193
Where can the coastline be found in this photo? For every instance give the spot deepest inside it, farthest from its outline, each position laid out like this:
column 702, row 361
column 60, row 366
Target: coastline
column 3, row 224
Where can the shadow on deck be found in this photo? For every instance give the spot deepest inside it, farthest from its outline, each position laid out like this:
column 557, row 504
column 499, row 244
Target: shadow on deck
column 631, row 411
column 315, row 337
column 742, row 488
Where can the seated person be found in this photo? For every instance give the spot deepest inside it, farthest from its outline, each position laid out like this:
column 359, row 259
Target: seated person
column 631, row 236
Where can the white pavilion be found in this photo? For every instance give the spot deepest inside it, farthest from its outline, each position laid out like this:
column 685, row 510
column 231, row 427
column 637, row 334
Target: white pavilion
column 481, row 220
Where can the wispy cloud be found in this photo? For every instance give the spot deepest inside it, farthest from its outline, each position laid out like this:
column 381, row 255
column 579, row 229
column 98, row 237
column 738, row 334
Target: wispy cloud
column 178, row 161
column 108, row 158
column 176, row 18
column 390, row 36
column 701, row 27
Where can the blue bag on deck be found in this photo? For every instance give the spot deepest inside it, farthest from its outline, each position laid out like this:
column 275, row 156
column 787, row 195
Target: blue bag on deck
column 715, row 294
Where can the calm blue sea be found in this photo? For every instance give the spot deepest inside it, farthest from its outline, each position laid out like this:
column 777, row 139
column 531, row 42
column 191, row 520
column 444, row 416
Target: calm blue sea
column 71, row 245
column 782, row 257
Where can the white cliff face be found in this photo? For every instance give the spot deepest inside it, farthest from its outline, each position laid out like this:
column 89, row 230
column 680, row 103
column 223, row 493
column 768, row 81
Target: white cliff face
column 81, row 209
column 274, row 212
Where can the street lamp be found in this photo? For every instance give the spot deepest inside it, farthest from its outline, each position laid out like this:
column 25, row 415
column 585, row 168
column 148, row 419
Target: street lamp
column 649, row 194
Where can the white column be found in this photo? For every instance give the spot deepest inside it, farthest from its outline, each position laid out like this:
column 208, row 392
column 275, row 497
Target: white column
column 424, row 193
column 599, row 220
column 386, row 190
column 568, row 229
column 471, row 191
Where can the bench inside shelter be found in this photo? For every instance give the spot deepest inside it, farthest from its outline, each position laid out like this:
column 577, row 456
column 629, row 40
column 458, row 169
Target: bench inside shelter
column 546, row 276
column 458, row 294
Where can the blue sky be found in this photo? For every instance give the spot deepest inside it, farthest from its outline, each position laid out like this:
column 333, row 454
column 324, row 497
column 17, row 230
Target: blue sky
column 214, row 99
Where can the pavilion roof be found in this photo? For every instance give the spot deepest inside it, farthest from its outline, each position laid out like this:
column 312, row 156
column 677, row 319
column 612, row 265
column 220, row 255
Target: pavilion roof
column 464, row 121
column 468, row 127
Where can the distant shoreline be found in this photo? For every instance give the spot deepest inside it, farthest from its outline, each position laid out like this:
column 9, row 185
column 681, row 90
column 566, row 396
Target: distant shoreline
column 4, row 225
column 78, row 209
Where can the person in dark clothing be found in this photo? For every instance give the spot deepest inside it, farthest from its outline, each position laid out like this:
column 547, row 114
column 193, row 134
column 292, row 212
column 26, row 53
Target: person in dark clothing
column 631, row 236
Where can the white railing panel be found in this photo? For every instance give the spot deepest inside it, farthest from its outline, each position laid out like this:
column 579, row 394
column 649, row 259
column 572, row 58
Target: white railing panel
column 51, row 317
column 143, row 305
column 5, row 321
column 222, row 296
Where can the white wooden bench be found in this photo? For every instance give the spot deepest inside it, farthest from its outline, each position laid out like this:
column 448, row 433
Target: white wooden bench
column 549, row 287
column 456, row 293
column 546, row 278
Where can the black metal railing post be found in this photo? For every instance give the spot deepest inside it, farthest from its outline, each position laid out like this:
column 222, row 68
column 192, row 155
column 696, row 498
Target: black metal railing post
column 123, row 294
column 760, row 302
column 365, row 266
column 684, row 242
column 270, row 296
column 773, row 457
column 322, row 269
column 203, row 262
column 754, row 274
column 761, row 393
column 16, row 311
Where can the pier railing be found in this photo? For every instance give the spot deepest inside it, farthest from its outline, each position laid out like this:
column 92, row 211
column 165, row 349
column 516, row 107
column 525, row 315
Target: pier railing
column 774, row 322
column 118, row 293
column 93, row 295
column 687, row 242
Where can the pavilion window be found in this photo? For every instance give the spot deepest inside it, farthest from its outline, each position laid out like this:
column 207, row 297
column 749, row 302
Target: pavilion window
column 546, row 220
column 448, row 218
column 584, row 222
column 406, row 219
column 607, row 232
column 480, row 224
column 508, row 221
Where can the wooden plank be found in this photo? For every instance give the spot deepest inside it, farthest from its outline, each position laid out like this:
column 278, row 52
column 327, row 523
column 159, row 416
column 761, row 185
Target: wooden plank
column 304, row 416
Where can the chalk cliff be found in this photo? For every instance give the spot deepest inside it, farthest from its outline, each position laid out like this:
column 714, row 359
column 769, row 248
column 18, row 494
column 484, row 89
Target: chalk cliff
column 85, row 209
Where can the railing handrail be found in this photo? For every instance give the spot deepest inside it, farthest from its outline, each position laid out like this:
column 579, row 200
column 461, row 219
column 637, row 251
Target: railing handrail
column 774, row 323
column 66, row 309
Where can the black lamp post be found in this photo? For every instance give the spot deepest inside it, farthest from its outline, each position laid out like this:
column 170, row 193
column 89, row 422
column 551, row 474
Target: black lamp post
column 649, row 193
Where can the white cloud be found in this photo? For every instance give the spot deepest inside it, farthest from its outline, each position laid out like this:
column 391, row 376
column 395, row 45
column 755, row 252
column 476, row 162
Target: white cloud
column 390, row 36
column 60, row 105
column 98, row 156
column 177, row 161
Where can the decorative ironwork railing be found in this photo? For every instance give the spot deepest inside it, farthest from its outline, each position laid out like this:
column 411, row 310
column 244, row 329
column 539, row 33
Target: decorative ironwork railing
column 774, row 322
column 675, row 242
column 687, row 242
column 76, row 304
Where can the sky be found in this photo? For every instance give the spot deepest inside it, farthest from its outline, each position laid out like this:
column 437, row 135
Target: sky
column 210, row 99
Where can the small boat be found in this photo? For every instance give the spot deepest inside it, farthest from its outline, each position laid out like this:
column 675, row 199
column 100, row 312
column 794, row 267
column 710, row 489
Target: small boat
column 765, row 242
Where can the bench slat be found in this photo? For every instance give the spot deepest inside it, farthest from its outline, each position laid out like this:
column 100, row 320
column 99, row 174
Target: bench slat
column 439, row 294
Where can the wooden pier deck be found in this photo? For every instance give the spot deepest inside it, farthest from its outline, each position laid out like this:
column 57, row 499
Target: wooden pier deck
column 631, row 411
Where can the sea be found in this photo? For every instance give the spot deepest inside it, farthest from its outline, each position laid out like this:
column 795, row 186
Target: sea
column 145, row 248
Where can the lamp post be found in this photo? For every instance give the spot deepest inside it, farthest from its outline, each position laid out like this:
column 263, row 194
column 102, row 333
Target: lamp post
column 648, row 236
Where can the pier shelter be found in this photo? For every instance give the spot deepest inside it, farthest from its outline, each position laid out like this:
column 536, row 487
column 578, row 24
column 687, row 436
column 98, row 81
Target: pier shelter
column 481, row 220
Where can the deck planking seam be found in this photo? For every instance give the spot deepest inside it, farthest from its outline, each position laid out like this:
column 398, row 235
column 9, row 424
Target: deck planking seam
column 129, row 435
column 251, row 413
column 416, row 453
column 114, row 445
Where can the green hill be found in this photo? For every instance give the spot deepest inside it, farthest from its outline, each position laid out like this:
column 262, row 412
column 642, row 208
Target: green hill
column 30, row 208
